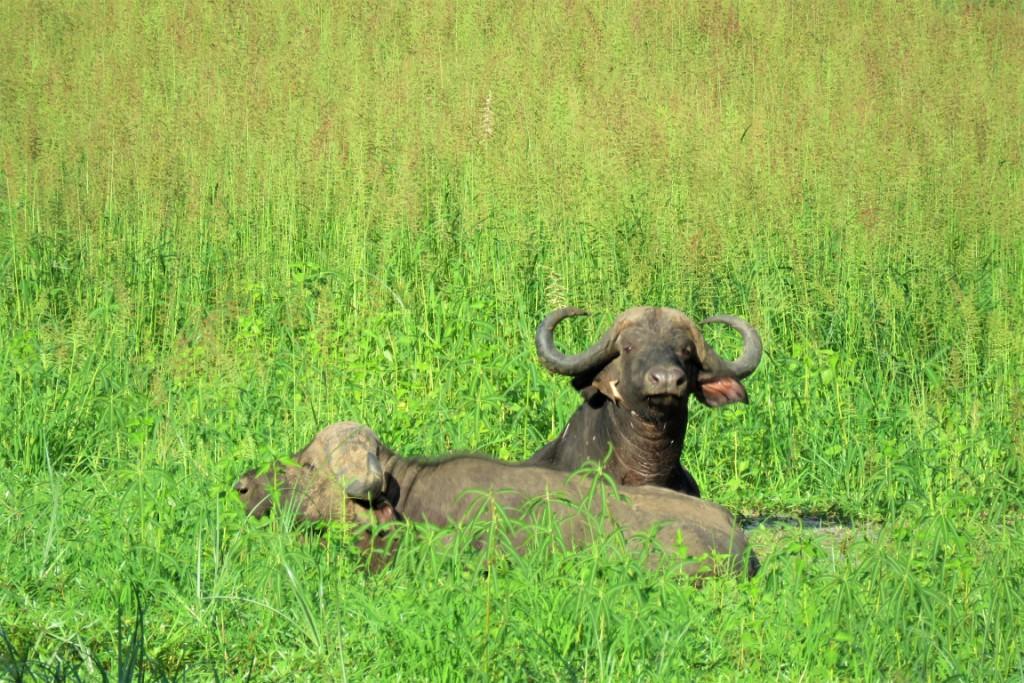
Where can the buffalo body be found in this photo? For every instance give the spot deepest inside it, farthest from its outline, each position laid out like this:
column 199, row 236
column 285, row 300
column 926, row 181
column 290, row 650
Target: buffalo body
column 359, row 479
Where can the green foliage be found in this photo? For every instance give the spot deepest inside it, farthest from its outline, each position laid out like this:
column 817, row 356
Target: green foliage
column 222, row 228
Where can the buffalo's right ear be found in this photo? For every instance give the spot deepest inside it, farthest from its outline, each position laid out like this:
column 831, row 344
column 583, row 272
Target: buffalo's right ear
column 585, row 385
column 607, row 381
column 720, row 391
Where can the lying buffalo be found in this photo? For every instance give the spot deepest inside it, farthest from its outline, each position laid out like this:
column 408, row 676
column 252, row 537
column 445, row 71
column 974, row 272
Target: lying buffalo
column 347, row 473
column 636, row 382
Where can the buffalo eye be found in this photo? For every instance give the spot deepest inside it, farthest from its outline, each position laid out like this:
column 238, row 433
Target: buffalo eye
column 627, row 348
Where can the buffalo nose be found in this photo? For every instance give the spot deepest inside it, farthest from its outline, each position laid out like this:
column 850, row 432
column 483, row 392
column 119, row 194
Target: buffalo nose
column 241, row 488
column 664, row 380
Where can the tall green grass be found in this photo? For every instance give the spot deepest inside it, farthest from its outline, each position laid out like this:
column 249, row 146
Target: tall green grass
column 221, row 229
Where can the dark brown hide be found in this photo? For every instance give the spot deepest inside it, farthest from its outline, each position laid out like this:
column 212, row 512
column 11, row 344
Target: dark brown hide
column 636, row 382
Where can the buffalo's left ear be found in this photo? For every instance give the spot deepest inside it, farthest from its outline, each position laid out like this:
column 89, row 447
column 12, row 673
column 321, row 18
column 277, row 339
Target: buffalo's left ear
column 607, row 381
column 720, row 391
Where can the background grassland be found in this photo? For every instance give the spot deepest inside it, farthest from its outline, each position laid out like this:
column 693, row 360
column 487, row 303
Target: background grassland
column 222, row 228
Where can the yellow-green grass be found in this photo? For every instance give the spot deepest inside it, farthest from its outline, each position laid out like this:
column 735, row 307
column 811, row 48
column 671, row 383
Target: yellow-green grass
column 221, row 229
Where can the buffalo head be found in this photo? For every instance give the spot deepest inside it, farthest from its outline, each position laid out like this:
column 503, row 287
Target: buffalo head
column 337, row 476
column 651, row 360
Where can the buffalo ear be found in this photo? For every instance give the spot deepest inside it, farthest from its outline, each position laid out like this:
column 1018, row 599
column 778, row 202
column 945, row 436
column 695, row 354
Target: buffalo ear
column 720, row 391
column 607, row 381
column 385, row 513
column 584, row 384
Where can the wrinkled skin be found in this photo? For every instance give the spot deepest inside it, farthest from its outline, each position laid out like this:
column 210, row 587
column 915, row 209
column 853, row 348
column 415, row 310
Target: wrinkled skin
column 459, row 489
column 636, row 383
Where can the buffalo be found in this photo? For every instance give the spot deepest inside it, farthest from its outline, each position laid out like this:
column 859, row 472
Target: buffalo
column 347, row 473
column 636, row 382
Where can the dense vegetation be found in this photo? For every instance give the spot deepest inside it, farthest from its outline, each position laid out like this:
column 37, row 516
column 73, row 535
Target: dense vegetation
column 223, row 227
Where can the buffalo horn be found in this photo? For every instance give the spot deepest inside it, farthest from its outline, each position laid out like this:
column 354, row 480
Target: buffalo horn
column 556, row 361
column 745, row 365
column 370, row 486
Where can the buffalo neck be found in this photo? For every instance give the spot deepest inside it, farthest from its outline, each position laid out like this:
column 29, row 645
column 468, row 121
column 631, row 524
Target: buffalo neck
column 420, row 489
column 645, row 451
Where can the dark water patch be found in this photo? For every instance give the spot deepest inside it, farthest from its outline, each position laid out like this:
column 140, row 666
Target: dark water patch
column 808, row 521
column 831, row 533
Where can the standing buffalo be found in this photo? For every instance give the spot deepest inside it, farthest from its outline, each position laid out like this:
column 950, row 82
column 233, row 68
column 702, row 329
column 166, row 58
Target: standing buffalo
column 347, row 473
column 636, row 382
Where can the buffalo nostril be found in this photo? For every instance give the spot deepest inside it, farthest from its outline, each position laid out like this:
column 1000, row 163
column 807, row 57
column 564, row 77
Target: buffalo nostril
column 242, row 488
column 665, row 379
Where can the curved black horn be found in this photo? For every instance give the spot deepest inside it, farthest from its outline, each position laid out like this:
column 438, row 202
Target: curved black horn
column 556, row 361
column 748, row 361
column 372, row 484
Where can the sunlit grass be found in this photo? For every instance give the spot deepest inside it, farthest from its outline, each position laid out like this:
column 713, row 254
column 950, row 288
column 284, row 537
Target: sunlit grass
column 221, row 229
